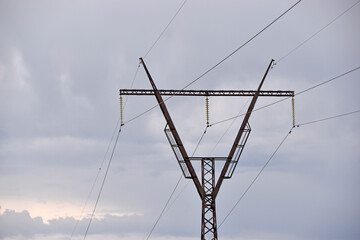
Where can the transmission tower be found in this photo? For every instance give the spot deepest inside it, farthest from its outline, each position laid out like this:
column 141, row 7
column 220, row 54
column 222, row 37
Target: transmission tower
column 208, row 188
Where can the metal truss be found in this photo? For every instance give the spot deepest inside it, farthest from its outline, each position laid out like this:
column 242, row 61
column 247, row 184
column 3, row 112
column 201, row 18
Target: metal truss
column 208, row 213
column 243, row 93
column 209, row 187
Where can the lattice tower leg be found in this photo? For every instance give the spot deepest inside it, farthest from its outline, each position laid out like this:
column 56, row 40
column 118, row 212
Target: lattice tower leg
column 208, row 220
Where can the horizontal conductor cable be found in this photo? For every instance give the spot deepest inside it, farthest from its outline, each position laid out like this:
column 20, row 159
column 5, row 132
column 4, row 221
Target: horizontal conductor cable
column 220, row 62
column 281, row 100
column 316, row 33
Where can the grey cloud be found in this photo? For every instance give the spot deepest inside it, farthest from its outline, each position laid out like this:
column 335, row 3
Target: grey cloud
column 61, row 65
column 22, row 224
column 19, row 223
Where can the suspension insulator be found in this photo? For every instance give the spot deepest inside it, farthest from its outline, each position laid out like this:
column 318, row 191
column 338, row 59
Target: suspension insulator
column 293, row 110
column 207, row 110
column 121, row 111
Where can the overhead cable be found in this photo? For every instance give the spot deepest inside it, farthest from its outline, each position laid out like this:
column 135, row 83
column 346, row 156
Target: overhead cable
column 220, row 62
column 305, row 41
column 106, row 153
column 212, row 150
column 281, row 100
column 328, row 118
column 267, row 162
column 163, row 31
column 164, row 208
column 95, row 180
column 151, row 48
column 327, row 81
column 102, row 184
column 256, row 177
column 173, row 191
column 126, row 100
column 244, row 44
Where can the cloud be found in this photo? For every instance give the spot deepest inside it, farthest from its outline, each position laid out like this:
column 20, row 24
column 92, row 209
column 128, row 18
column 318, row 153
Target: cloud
column 62, row 64
column 21, row 224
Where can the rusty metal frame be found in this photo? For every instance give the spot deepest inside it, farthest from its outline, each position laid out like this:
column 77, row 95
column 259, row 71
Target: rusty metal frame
column 240, row 133
column 208, row 213
column 209, row 187
column 224, row 93
column 174, row 133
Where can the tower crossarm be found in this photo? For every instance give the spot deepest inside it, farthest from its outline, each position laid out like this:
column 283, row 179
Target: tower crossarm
column 174, row 133
column 239, row 135
column 172, row 92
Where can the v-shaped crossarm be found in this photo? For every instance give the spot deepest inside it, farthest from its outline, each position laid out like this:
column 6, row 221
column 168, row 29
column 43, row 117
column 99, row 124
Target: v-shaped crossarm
column 179, row 148
column 175, row 134
column 240, row 133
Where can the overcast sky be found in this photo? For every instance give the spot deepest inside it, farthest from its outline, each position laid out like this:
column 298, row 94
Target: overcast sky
column 62, row 64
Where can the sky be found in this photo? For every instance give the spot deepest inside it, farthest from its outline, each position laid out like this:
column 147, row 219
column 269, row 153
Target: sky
column 62, row 64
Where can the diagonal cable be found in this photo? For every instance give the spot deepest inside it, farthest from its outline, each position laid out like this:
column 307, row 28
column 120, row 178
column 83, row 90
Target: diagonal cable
column 256, row 177
column 271, row 157
column 301, row 92
column 102, row 184
column 163, row 31
column 312, row 36
column 328, row 118
column 95, row 181
column 220, row 62
column 176, row 186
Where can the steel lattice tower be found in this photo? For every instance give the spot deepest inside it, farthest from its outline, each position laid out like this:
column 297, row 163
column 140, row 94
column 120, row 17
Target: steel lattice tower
column 208, row 188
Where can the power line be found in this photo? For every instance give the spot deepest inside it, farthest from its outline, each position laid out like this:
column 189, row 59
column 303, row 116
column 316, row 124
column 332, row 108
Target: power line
column 102, row 163
column 201, row 138
column 220, row 62
column 195, row 81
column 205, row 130
column 150, row 49
column 166, row 204
column 217, row 143
column 163, row 31
column 248, row 41
column 267, row 162
column 281, row 100
column 176, row 186
column 183, row 189
column 95, row 181
column 327, row 81
column 312, row 36
column 328, row 118
column 132, row 84
column 256, row 177
column 126, row 100
column 102, row 184
column 227, row 130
